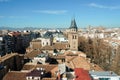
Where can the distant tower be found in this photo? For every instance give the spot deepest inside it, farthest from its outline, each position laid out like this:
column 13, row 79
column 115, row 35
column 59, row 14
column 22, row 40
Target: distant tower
column 73, row 36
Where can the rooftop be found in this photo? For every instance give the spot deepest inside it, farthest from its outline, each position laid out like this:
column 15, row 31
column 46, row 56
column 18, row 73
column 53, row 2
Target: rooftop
column 32, row 54
column 15, row 75
column 102, row 73
column 81, row 62
column 81, row 74
column 33, row 66
column 73, row 24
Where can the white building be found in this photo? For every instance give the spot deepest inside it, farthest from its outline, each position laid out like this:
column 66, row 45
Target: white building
column 46, row 41
column 104, row 75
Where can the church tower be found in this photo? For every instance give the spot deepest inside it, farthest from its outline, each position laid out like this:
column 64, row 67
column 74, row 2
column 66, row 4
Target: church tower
column 73, row 36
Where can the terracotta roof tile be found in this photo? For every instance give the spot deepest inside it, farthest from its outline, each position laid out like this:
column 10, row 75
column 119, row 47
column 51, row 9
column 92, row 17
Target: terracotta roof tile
column 78, row 62
column 32, row 54
column 81, row 74
column 49, row 79
column 28, row 67
column 97, row 68
column 77, row 53
column 46, row 67
column 34, row 73
column 15, row 75
column 60, row 46
column 47, row 47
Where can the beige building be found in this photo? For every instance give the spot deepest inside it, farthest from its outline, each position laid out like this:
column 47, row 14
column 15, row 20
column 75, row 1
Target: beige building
column 35, row 44
column 73, row 36
column 46, row 41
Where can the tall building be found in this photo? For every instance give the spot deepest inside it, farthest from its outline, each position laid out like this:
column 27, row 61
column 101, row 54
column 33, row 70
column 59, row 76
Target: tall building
column 73, row 36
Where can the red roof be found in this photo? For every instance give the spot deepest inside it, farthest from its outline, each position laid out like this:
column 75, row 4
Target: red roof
column 81, row 74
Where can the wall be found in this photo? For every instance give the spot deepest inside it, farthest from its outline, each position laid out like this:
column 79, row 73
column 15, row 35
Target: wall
column 12, row 62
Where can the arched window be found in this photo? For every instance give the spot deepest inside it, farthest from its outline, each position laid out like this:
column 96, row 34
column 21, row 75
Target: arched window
column 73, row 37
column 47, row 43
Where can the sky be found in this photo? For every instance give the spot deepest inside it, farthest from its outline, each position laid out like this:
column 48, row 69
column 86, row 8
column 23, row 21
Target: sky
column 59, row 13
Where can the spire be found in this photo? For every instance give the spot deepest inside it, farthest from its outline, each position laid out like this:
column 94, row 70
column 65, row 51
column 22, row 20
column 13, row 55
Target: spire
column 73, row 24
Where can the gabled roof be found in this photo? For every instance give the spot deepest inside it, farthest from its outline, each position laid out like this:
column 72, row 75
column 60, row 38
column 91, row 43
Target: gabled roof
column 15, row 75
column 60, row 46
column 32, row 54
column 47, row 47
column 46, row 67
column 73, row 24
column 81, row 74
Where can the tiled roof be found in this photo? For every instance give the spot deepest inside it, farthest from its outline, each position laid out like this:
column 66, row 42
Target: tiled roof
column 81, row 74
column 15, row 75
column 49, row 79
column 46, row 67
column 69, row 58
column 7, row 56
column 60, row 46
column 58, row 57
column 32, row 54
column 78, row 62
column 76, row 53
column 28, row 66
column 97, row 68
column 47, row 47
column 20, row 75
column 68, row 52
column 81, row 62
column 34, row 73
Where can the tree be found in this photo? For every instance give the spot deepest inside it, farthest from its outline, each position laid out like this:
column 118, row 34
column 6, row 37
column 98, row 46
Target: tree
column 115, row 66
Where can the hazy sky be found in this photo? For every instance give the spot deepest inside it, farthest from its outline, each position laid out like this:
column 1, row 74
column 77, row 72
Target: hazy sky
column 58, row 13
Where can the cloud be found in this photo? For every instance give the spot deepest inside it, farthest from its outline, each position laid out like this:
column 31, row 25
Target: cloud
column 103, row 6
column 51, row 11
column 4, row 0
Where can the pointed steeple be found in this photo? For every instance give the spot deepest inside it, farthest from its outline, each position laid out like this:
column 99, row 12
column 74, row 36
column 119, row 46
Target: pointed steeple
column 73, row 24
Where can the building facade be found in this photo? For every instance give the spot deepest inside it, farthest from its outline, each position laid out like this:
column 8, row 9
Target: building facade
column 73, row 36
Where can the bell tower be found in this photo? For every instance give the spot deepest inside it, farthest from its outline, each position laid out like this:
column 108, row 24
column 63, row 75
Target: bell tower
column 73, row 36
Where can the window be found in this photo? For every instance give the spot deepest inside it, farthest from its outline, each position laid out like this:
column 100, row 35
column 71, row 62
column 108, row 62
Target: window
column 73, row 37
column 47, row 43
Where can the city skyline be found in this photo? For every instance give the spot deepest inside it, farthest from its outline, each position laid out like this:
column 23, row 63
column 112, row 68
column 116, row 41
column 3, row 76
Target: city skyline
column 58, row 13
